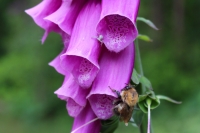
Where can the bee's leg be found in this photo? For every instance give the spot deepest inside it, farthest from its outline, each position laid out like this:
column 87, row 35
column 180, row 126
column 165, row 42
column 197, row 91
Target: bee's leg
column 117, row 101
column 117, row 92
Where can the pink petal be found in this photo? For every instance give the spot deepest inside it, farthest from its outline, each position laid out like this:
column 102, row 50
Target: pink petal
column 116, row 70
column 84, row 117
column 73, row 94
column 81, row 58
column 58, row 16
column 102, row 105
column 118, row 23
column 55, row 63
column 43, row 9
column 73, row 108
column 52, row 27
column 65, row 39
column 66, row 15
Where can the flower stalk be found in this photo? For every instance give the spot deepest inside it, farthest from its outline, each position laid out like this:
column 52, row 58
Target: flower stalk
column 149, row 115
column 138, row 67
column 138, row 63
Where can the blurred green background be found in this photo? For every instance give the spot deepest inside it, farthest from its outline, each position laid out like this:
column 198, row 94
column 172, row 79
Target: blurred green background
column 171, row 62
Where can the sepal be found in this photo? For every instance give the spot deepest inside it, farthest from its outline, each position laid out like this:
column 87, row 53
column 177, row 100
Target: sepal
column 143, row 99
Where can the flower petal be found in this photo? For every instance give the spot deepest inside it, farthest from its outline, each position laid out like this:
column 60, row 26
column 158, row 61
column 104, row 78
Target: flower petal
column 71, row 92
column 71, row 16
column 63, row 12
column 81, row 58
column 102, row 105
column 118, row 23
column 66, row 15
column 43, row 9
column 55, row 63
column 65, row 39
column 58, row 16
column 86, row 116
column 73, row 108
column 116, row 70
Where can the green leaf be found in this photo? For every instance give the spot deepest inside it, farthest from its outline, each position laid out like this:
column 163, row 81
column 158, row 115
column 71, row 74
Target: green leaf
column 141, row 103
column 144, row 38
column 110, row 125
column 135, row 77
column 138, row 116
column 161, row 97
column 143, row 80
column 148, row 22
column 132, row 122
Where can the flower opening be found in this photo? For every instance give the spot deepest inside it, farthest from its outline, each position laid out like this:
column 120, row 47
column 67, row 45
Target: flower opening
column 117, row 24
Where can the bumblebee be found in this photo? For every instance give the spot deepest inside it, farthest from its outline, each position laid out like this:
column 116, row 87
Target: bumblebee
column 124, row 104
column 129, row 95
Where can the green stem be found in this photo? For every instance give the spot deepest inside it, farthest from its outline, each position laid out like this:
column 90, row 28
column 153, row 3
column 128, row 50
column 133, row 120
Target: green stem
column 141, row 128
column 138, row 63
column 138, row 67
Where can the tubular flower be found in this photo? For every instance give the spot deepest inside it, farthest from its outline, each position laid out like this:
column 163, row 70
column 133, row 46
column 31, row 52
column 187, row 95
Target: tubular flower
column 116, row 70
column 98, row 53
column 118, row 23
column 83, row 48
